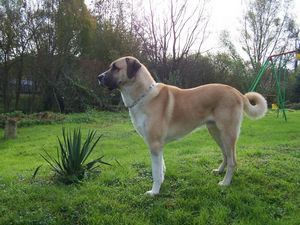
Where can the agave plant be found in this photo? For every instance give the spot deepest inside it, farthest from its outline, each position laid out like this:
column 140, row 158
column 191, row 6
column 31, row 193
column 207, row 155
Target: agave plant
column 70, row 165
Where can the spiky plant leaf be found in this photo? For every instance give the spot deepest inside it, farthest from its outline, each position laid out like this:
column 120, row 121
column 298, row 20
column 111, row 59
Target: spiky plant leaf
column 35, row 172
column 91, row 164
column 70, row 164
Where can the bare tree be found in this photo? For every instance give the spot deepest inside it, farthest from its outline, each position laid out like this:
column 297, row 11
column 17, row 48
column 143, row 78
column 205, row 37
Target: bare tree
column 265, row 29
column 176, row 34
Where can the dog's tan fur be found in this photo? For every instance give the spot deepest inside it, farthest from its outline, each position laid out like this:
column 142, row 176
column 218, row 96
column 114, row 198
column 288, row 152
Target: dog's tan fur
column 167, row 113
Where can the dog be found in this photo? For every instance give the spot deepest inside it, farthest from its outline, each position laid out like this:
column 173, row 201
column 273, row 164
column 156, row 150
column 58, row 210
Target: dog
column 161, row 113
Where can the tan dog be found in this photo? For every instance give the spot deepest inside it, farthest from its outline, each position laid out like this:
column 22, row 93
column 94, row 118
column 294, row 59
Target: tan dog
column 161, row 113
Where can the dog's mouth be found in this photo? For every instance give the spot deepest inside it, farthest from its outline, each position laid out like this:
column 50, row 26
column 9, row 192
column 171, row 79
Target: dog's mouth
column 107, row 82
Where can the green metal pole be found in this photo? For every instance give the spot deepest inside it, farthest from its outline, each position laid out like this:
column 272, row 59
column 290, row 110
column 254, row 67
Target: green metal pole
column 284, row 88
column 280, row 100
column 259, row 76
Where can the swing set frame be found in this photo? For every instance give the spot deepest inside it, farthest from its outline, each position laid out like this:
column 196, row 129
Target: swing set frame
column 277, row 66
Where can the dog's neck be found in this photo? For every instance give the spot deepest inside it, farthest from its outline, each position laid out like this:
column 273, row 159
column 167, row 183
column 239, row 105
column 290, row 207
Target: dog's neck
column 131, row 94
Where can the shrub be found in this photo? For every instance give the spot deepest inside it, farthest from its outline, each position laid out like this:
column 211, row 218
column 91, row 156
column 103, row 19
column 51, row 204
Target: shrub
column 69, row 166
column 295, row 106
column 32, row 119
column 26, row 120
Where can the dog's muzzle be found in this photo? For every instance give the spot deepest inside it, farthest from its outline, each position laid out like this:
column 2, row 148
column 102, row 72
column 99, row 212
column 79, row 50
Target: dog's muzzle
column 106, row 80
column 101, row 78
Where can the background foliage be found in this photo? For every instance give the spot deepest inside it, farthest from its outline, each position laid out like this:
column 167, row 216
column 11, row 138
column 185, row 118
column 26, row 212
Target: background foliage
column 52, row 51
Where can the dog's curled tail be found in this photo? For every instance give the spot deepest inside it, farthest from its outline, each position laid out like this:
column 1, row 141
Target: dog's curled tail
column 255, row 105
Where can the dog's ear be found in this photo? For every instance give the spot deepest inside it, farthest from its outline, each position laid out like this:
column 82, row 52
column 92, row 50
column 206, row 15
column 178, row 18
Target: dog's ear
column 132, row 67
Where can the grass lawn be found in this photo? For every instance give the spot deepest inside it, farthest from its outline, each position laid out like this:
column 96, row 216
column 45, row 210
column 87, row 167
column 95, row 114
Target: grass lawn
column 265, row 189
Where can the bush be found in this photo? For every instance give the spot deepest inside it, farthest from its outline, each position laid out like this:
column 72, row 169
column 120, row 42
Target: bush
column 32, row 119
column 26, row 120
column 295, row 106
column 69, row 166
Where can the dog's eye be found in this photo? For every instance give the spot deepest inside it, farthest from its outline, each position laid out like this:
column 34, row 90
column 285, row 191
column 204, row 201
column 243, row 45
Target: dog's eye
column 115, row 68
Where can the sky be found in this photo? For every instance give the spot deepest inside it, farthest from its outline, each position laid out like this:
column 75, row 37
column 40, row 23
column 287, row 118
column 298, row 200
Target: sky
column 224, row 15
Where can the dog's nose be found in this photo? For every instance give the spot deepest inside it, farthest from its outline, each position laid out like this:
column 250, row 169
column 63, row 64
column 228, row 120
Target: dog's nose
column 100, row 78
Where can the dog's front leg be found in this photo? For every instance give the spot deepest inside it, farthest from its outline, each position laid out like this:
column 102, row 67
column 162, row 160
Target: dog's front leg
column 157, row 172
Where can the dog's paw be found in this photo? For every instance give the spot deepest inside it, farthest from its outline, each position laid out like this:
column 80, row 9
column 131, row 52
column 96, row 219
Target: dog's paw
column 151, row 193
column 223, row 183
column 216, row 171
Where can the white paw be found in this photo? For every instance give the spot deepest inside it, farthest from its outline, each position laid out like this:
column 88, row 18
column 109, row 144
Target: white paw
column 223, row 183
column 151, row 193
column 216, row 171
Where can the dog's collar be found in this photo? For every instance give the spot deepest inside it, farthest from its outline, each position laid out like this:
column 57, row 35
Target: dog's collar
column 142, row 96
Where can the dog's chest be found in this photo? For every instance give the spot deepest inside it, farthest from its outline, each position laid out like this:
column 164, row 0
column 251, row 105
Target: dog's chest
column 138, row 120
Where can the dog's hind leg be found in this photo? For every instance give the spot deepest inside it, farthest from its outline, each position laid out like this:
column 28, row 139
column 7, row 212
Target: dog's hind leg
column 229, row 138
column 216, row 134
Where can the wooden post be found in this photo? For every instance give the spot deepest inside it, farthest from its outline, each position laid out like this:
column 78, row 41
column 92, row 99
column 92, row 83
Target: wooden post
column 10, row 130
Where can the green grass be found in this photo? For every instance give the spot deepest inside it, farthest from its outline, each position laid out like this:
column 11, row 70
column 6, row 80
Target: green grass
column 265, row 188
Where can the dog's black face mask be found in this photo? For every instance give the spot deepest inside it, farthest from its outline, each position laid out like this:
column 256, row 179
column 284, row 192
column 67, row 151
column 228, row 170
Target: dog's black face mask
column 107, row 78
column 120, row 73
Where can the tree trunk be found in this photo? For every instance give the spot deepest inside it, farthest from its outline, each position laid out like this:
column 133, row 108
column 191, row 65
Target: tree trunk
column 10, row 130
column 19, row 84
column 6, row 99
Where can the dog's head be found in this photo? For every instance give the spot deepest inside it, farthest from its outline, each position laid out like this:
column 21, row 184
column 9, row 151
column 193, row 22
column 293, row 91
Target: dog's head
column 122, row 71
